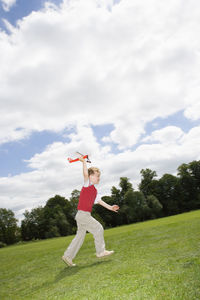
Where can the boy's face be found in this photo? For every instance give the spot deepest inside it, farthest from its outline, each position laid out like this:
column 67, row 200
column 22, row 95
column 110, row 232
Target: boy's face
column 95, row 178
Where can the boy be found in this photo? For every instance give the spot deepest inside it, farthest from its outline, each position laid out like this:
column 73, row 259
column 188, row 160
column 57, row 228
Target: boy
column 85, row 222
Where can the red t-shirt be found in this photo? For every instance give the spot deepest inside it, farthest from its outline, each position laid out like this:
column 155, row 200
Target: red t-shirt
column 87, row 198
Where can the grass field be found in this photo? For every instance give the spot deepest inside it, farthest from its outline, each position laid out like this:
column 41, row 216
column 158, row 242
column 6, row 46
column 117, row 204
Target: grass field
column 157, row 259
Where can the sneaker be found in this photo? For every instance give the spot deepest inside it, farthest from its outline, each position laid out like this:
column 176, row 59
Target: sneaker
column 68, row 261
column 105, row 253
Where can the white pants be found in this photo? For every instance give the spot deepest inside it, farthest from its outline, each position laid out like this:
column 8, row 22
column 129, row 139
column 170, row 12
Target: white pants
column 85, row 222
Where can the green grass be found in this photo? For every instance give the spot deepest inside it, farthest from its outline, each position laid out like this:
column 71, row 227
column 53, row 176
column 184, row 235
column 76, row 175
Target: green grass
column 158, row 259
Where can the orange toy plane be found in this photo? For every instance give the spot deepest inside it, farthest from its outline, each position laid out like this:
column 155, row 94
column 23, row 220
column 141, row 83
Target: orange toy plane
column 77, row 159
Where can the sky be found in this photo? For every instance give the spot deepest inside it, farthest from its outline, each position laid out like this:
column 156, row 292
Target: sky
column 118, row 80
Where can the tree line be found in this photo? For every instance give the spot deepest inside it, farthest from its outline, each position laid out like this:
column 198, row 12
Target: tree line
column 154, row 198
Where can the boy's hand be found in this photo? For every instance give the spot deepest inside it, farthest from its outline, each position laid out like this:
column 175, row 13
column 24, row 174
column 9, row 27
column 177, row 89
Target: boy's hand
column 115, row 208
column 81, row 159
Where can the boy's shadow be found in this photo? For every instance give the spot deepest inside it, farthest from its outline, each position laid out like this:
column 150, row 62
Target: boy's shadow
column 70, row 271
column 66, row 271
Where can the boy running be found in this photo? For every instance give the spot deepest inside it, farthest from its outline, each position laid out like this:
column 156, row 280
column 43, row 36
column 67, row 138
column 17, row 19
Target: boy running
column 85, row 222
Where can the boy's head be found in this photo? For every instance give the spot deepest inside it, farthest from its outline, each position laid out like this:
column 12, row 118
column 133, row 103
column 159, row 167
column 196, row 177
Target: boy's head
column 94, row 175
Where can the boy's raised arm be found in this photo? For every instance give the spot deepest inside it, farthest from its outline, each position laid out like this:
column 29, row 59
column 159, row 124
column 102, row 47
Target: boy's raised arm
column 85, row 170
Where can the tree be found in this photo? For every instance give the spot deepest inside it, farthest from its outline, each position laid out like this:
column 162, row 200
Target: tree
column 58, row 225
column 129, row 209
column 194, row 168
column 148, row 184
column 136, row 207
column 8, row 227
column 155, row 207
column 169, row 194
column 189, row 175
column 33, row 226
column 125, row 186
column 118, row 196
column 53, row 220
column 58, row 212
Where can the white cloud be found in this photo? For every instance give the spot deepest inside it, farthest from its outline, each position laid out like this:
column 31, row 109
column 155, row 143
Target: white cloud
column 7, row 4
column 167, row 135
column 81, row 61
column 193, row 110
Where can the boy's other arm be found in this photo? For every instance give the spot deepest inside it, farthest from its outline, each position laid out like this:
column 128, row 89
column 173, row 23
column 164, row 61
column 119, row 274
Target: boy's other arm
column 85, row 170
column 110, row 207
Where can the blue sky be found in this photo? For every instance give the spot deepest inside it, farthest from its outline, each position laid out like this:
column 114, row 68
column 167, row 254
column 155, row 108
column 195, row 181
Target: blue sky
column 21, row 9
column 114, row 79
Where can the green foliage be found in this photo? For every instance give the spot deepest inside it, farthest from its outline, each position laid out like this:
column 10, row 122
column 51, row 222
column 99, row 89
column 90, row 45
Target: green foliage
column 169, row 194
column 118, row 197
column 154, row 207
column 33, row 225
column 148, row 184
column 55, row 219
column 125, row 186
column 136, row 206
column 58, row 215
column 189, row 176
column 2, row 245
column 176, row 194
column 133, row 204
column 8, row 227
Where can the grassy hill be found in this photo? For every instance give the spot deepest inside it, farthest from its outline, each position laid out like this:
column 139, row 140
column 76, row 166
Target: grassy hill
column 157, row 259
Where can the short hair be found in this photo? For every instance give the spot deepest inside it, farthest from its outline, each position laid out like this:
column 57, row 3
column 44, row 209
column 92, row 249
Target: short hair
column 92, row 170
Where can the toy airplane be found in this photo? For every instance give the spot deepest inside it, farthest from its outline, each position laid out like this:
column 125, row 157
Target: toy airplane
column 77, row 159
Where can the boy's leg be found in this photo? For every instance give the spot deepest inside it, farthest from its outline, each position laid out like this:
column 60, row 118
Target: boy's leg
column 94, row 227
column 77, row 242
